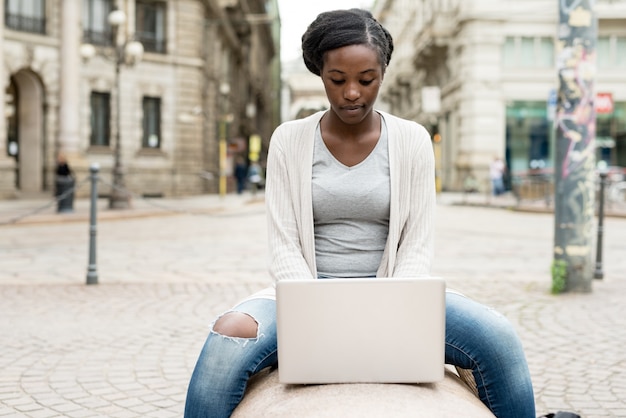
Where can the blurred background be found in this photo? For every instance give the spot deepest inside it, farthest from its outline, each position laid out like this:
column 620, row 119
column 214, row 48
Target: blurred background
column 165, row 95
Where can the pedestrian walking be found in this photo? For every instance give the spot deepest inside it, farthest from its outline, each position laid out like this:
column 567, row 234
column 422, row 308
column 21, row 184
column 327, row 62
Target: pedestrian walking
column 241, row 174
column 496, row 174
column 255, row 177
column 64, row 183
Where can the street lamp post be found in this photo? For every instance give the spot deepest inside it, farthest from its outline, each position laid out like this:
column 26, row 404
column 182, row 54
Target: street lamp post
column 127, row 52
column 223, row 133
column 598, row 272
column 222, row 156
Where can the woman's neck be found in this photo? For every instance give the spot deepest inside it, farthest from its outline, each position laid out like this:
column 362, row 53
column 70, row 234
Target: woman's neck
column 332, row 125
column 350, row 143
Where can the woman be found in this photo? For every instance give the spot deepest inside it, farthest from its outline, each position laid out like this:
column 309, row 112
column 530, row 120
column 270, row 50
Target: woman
column 363, row 207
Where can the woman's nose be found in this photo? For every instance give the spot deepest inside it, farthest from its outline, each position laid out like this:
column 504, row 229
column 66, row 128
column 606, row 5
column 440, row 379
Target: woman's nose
column 351, row 92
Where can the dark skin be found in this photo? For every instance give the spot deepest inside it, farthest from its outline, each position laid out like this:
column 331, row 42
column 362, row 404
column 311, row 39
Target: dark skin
column 352, row 76
column 236, row 324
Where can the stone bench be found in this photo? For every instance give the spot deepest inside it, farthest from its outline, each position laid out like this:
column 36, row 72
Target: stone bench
column 451, row 397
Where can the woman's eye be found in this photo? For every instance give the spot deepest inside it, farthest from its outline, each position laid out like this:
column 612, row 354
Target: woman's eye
column 362, row 82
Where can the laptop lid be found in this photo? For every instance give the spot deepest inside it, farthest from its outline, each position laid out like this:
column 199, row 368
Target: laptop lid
column 372, row 330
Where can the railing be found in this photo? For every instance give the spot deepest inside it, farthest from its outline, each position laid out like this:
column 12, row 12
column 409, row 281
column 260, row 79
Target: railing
column 538, row 186
column 25, row 23
column 533, row 186
column 151, row 42
column 95, row 37
column 616, row 188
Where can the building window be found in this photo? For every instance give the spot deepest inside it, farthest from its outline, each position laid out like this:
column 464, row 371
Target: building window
column 603, row 50
column 620, row 51
column 545, row 56
column 96, row 28
column 151, row 122
column 150, row 25
column 508, row 52
column 611, row 52
column 26, row 15
column 528, row 52
column 100, row 119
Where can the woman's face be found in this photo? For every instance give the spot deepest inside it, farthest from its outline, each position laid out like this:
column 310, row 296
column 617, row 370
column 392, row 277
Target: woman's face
column 352, row 76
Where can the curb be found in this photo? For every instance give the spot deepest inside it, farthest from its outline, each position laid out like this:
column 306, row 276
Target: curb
column 17, row 213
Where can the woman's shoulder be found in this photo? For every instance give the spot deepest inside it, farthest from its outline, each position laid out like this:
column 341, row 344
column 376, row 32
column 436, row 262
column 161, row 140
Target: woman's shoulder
column 295, row 136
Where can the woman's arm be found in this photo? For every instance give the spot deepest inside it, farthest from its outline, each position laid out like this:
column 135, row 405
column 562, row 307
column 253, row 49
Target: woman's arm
column 286, row 260
column 416, row 244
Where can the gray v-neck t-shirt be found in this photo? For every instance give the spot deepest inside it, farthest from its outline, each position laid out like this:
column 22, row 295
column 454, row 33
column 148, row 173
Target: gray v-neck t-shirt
column 350, row 210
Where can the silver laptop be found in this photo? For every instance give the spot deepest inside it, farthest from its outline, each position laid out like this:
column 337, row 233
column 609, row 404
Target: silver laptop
column 375, row 330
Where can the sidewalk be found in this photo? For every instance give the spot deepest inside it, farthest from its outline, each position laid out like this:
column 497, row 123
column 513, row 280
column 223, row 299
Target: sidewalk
column 508, row 201
column 44, row 209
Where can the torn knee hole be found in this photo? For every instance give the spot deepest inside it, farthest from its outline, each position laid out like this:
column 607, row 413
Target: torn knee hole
column 237, row 325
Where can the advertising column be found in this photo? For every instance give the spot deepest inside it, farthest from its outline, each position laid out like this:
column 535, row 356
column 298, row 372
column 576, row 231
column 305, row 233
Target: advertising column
column 575, row 148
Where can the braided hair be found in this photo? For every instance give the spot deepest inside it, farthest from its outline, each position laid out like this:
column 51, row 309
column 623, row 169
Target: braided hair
column 339, row 28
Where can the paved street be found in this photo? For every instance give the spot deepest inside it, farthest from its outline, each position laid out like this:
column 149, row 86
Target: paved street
column 126, row 346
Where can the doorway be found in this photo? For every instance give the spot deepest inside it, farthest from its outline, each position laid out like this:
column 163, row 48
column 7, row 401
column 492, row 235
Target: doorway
column 25, row 130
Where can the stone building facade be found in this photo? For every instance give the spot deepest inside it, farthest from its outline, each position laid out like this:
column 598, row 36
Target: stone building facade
column 481, row 76
column 303, row 91
column 210, row 70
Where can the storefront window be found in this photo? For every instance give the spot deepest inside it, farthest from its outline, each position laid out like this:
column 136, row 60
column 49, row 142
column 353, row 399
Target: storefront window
column 611, row 136
column 528, row 138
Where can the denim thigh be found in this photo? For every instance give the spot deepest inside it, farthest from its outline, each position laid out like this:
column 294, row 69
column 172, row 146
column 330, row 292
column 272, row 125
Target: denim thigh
column 225, row 364
column 481, row 339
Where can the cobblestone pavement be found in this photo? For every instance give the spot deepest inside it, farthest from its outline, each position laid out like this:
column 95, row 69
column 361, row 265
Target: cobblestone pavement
column 126, row 346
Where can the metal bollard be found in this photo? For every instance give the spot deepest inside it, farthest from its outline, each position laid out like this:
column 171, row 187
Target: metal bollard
column 598, row 273
column 92, row 271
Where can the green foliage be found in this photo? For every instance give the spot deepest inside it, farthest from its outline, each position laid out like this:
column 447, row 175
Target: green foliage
column 559, row 276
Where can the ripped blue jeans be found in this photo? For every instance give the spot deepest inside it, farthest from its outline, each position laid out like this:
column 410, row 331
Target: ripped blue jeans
column 477, row 338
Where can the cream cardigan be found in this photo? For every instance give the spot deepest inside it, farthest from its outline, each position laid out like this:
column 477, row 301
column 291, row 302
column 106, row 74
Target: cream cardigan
column 409, row 248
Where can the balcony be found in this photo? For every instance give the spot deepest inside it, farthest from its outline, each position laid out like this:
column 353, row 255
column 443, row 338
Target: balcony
column 99, row 38
column 25, row 23
column 151, row 42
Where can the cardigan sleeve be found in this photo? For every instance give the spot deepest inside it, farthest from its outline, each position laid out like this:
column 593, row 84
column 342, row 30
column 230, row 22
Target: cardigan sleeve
column 418, row 201
column 286, row 259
